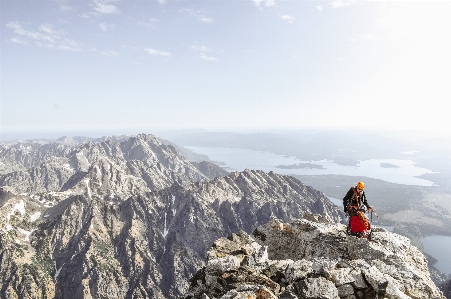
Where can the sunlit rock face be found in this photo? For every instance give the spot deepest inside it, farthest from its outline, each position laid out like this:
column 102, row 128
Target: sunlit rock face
column 129, row 218
column 312, row 258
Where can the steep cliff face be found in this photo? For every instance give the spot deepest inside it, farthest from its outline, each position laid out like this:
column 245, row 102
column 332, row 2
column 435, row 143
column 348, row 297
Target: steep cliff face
column 312, row 258
column 134, row 220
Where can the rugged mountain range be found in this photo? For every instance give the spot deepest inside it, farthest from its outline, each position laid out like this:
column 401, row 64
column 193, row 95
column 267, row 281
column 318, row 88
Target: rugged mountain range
column 126, row 217
column 53, row 166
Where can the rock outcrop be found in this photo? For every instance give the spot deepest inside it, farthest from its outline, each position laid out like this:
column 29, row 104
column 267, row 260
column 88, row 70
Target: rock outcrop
column 312, row 258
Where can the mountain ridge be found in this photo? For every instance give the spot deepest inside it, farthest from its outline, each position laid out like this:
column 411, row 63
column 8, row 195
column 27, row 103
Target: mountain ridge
column 131, row 219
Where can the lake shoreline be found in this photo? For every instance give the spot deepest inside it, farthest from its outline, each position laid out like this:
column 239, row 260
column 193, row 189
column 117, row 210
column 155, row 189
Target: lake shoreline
column 405, row 172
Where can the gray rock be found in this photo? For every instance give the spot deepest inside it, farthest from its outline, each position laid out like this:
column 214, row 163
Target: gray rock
column 223, row 264
column 261, row 255
column 298, row 270
column 359, row 282
column 320, row 288
column 345, row 290
column 341, row 276
column 288, row 295
column 248, row 249
column 249, row 292
column 383, row 284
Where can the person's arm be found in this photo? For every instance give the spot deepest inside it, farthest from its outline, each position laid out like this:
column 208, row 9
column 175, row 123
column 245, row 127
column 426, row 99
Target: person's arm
column 364, row 201
column 346, row 199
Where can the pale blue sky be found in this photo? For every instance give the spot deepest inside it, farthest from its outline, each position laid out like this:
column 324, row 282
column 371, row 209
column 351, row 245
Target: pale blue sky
column 112, row 64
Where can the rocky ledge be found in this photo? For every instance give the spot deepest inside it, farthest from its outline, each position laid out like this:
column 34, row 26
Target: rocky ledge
column 312, row 258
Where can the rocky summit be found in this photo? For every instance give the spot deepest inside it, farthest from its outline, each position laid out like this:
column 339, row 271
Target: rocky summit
column 126, row 217
column 312, row 258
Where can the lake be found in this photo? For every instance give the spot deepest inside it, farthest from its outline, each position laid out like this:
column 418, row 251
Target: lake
column 234, row 159
column 439, row 247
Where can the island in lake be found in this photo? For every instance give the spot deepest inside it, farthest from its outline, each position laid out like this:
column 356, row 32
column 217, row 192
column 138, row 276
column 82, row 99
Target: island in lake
column 301, row 166
column 389, row 165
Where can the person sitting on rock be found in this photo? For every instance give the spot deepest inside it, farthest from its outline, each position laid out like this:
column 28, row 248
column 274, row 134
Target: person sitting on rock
column 354, row 199
column 354, row 204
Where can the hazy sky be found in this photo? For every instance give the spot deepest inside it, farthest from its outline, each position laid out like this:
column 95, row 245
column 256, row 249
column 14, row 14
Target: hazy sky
column 106, row 64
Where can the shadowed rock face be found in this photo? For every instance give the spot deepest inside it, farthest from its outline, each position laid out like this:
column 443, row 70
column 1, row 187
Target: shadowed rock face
column 134, row 220
column 312, row 258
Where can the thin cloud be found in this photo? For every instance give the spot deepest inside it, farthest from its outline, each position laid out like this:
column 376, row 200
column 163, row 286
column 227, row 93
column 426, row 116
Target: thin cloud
column 288, row 18
column 47, row 28
column 208, row 58
column 151, row 24
column 18, row 41
column 105, row 7
column 101, row 7
column 203, row 49
column 66, row 8
column 198, row 15
column 110, row 53
column 336, row 4
column 265, row 3
column 156, row 52
column 132, row 48
column 206, row 20
column 341, row 3
column 87, row 15
column 269, row 3
column 45, row 36
column 200, row 48
column 106, row 26
column 257, row 2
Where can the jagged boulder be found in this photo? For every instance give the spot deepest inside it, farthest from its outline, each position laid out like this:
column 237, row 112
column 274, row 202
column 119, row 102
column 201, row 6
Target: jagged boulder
column 312, row 258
